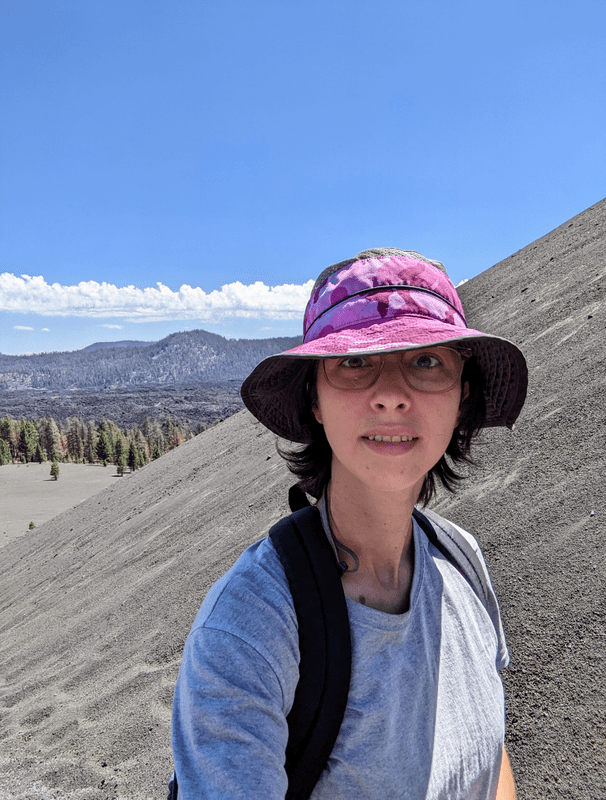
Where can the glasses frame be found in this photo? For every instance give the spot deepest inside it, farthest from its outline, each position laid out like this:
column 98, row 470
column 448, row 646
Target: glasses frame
column 464, row 353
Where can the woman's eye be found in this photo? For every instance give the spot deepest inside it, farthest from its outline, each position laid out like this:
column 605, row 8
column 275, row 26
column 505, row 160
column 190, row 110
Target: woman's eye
column 354, row 362
column 425, row 361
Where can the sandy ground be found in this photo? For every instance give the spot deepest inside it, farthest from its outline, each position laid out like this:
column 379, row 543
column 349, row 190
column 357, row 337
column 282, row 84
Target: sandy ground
column 29, row 494
column 96, row 604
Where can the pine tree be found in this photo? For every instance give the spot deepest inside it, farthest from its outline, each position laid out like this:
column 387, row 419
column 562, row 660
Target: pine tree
column 141, row 446
column 121, row 465
column 173, row 434
column 120, row 447
column 76, row 434
column 50, row 438
column 90, row 443
column 28, row 439
column 112, row 432
column 152, row 431
column 39, row 455
column 9, row 431
column 133, row 457
column 104, row 451
column 5, row 453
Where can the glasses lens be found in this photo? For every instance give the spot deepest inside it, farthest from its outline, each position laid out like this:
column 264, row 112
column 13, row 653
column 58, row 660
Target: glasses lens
column 435, row 369
column 352, row 372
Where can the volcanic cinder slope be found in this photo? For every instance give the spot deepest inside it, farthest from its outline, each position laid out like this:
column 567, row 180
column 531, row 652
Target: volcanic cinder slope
column 537, row 505
column 95, row 604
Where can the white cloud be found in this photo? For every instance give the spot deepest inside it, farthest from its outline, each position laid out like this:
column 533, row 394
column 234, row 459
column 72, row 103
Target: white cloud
column 112, row 327
column 33, row 295
column 22, row 328
column 460, row 283
column 45, row 329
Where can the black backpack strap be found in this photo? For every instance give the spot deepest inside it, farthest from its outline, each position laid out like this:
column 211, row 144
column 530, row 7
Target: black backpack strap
column 429, row 531
column 297, row 498
column 325, row 646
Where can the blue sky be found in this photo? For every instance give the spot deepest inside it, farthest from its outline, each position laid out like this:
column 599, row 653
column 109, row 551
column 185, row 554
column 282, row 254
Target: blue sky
column 248, row 145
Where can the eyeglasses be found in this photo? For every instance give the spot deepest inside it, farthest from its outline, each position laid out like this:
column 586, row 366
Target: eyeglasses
column 433, row 369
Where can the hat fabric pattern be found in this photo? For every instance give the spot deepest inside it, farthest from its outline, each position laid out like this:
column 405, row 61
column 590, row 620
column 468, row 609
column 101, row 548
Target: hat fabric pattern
column 383, row 301
column 365, row 293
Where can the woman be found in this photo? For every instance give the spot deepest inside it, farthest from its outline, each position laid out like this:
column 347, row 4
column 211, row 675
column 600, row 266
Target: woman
column 386, row 393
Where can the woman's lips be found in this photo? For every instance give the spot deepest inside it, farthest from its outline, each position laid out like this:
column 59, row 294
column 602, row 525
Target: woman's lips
column 384, row 438
column 392, row 444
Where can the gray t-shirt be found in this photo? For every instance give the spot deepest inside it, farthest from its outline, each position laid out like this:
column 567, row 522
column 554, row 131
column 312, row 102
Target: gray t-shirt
column 425, row 712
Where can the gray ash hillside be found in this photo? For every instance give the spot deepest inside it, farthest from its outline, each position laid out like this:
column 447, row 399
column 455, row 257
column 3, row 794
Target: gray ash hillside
column 96, row 604
column 536, row 504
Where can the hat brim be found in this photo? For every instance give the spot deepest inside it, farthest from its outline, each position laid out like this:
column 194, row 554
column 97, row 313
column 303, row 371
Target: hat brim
column 268, row 392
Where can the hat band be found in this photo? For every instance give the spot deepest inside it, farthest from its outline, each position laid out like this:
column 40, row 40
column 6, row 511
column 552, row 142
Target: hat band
column 356, row 312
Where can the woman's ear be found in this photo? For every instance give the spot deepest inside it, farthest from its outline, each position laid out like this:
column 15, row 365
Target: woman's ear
column 317, row 414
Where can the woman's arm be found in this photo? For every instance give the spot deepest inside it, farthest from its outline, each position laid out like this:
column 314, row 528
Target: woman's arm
column 506, row 789
column 229, row 729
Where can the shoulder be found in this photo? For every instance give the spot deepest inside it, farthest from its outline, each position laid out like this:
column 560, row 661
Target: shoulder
column 451, row 529
column 464, row 550
column 251, row 606
column 257, row 572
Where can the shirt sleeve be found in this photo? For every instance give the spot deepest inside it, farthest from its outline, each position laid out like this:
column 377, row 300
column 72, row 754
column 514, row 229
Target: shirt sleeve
column 235, row 687
column 229, row 726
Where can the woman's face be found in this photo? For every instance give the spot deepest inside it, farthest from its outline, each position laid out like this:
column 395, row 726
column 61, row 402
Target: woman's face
column 387, row 437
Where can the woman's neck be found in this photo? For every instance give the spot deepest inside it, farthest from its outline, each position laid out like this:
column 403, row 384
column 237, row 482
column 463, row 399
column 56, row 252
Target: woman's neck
column 377, row 527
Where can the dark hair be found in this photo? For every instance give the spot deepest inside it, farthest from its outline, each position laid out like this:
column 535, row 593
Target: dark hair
column 312, row 463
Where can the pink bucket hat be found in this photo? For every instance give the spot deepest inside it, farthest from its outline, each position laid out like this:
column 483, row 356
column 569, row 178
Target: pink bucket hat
column 379, row 302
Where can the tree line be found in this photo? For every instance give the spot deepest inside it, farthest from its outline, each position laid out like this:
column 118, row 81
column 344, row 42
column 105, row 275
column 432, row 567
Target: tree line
column 80, row 442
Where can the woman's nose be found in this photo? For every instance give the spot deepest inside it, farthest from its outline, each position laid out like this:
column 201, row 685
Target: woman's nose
column 390, row 389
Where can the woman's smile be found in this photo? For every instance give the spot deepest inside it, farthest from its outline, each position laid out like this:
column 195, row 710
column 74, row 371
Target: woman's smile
column 390, row 445
column 388, row 438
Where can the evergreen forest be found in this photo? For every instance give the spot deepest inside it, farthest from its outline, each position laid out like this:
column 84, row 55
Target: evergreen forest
column 81, row 442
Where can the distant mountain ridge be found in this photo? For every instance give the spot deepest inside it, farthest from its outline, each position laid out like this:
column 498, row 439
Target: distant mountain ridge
column 191, row 357
column 107, row 345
